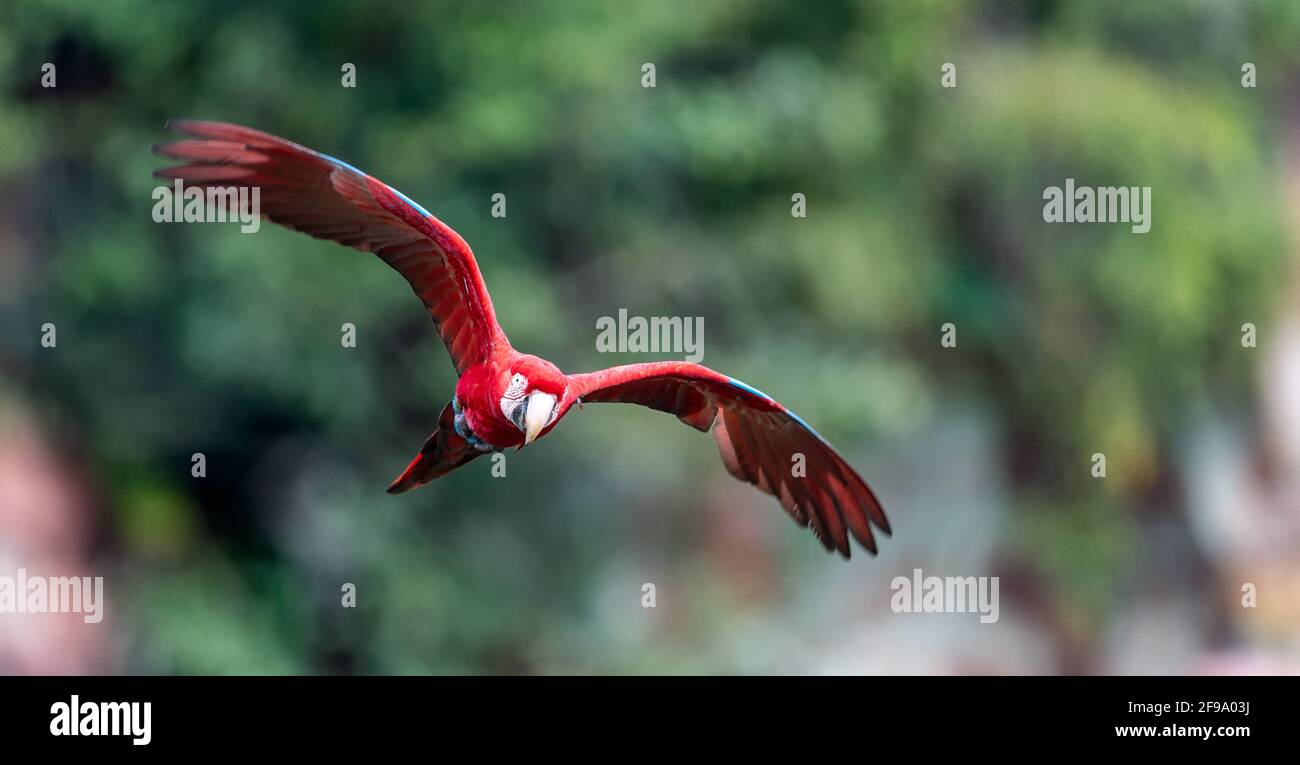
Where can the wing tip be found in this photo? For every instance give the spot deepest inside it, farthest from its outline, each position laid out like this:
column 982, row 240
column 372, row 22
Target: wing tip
column 869, row 545
column 182, row 125
column 876, row 522
column 407, row 480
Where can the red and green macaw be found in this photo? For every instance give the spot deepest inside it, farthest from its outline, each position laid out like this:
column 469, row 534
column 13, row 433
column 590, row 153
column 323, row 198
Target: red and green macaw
column 506, row 398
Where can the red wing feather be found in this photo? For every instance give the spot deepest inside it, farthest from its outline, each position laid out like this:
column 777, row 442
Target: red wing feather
column 758, row 439
column 329, row 199
column 443, row 452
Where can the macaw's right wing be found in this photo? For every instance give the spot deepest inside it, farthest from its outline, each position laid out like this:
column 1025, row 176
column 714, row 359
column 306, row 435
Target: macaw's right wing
column 329, row 199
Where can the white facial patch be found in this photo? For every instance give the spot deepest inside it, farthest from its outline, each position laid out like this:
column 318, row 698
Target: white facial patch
column 514, row 394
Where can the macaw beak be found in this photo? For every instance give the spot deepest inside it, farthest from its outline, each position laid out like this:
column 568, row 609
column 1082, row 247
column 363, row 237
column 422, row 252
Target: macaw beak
column 538, row 415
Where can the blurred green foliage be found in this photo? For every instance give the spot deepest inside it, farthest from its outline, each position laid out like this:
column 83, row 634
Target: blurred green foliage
column 924, row 207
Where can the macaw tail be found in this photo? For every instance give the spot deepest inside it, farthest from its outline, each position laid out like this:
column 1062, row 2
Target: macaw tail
column 442, row 453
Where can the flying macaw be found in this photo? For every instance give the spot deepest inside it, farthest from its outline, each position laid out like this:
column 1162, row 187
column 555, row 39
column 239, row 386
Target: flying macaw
column 506, row 398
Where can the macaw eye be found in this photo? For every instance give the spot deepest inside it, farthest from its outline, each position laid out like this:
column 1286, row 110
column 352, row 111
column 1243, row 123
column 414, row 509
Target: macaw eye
column 515, row 390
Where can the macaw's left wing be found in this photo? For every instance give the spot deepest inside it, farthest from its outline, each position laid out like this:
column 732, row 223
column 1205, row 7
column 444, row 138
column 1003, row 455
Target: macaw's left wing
column 760, row 442
column 330, row 199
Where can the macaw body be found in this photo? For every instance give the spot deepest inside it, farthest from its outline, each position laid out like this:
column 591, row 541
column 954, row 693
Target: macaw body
column 505, row 398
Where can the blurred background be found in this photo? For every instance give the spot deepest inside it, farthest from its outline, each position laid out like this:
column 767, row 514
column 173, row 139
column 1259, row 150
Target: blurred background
column 924, row 207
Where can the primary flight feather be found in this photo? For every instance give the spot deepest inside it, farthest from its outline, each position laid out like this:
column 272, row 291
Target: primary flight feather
column 506, row 398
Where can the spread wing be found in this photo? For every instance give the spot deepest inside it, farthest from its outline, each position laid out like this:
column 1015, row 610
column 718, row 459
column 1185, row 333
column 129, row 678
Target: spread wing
column 329, row 199
column 759, row 440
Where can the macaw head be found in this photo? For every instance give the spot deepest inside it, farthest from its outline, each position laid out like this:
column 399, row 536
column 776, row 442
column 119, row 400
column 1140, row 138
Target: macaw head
column 531, row 399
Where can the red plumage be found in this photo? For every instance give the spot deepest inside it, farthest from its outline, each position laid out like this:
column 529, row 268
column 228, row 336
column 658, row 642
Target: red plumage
column 505, row 398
